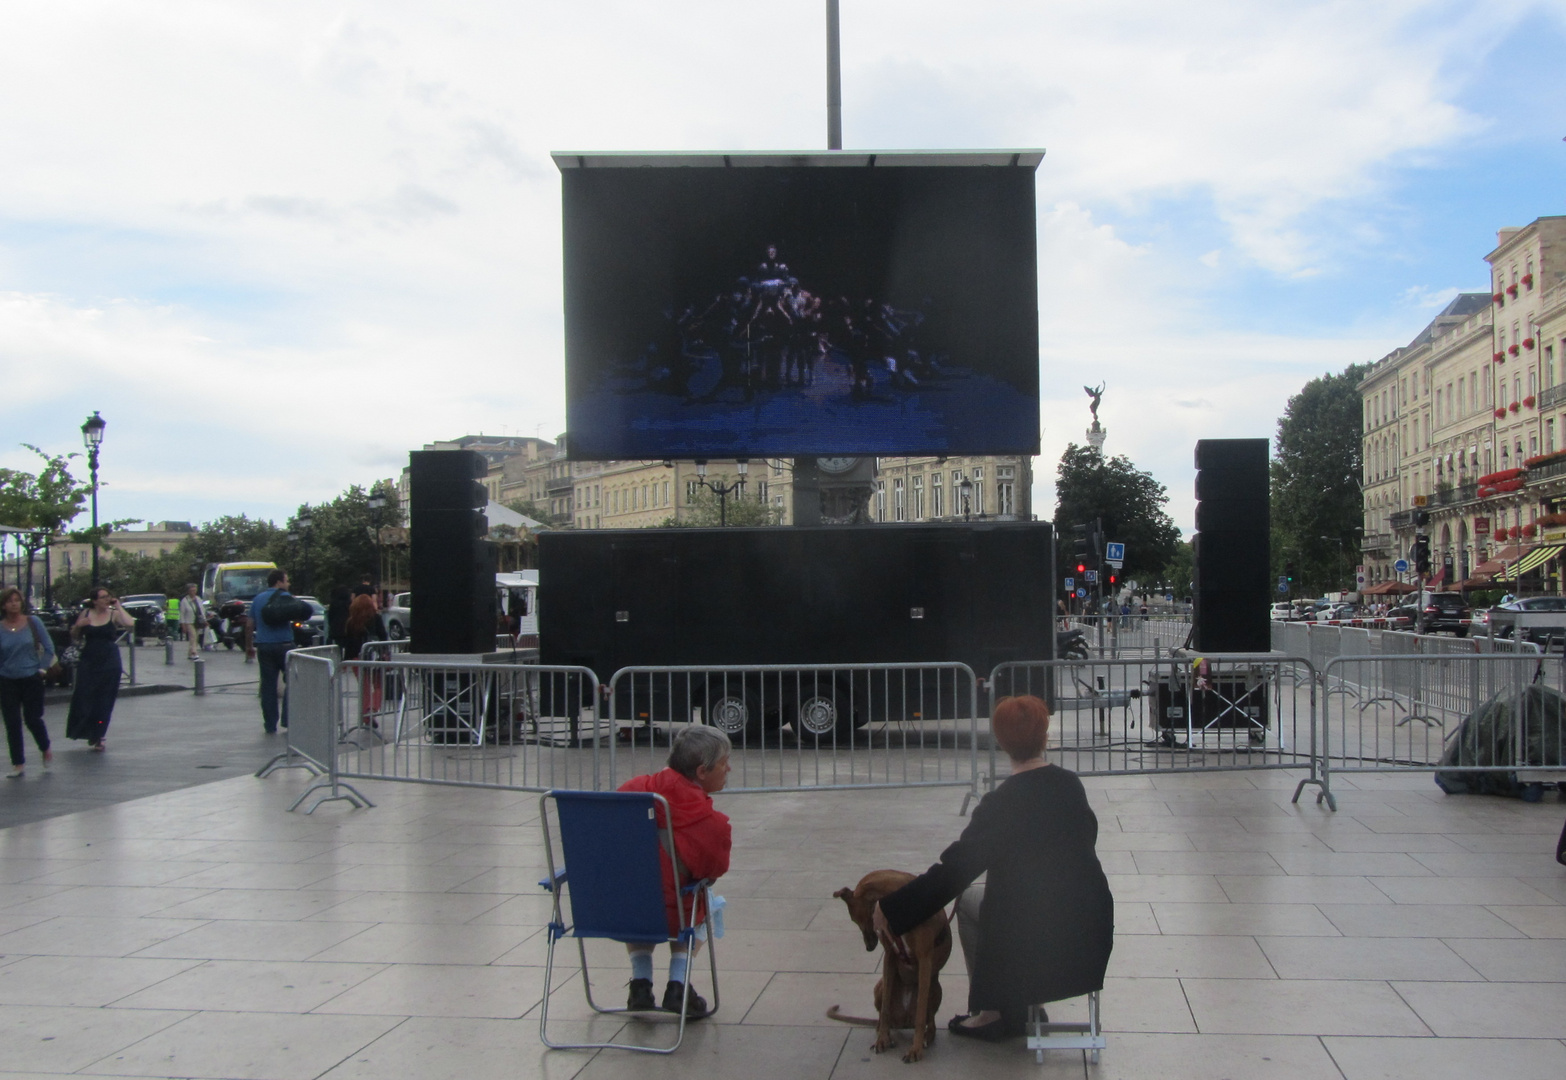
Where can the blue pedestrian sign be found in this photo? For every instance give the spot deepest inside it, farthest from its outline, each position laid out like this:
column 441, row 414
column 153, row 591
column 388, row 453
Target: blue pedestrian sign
column 1081, row 594
column 1071, row 583
column 1401, row 566
column 1091, row 577
column 1114, row 553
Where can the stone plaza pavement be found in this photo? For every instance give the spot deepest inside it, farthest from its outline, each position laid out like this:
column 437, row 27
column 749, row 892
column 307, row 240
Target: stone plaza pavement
column 207, row 932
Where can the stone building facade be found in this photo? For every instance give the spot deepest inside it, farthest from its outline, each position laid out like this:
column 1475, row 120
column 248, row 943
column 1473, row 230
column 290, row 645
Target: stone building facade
column 1467, row 423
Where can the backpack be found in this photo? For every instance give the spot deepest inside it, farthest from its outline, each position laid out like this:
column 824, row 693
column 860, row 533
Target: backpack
column 282, row 609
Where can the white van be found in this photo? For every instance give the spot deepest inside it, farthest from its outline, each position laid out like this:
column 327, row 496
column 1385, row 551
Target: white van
column 517, row 597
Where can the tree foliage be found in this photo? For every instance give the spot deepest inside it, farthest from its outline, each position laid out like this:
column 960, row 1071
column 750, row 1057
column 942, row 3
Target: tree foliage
column 43, row 503
column 740, row 512
column 1317, row 504
column 1180, row 573
column 339, row 547
column 1130, row 502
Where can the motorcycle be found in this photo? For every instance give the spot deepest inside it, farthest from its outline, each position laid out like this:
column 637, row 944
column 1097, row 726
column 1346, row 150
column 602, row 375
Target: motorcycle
column 228, row 624
column 1071, row 644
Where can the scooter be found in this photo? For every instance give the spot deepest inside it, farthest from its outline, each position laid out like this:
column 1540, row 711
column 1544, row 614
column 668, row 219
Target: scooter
column 228, row 624
column 1071, row 645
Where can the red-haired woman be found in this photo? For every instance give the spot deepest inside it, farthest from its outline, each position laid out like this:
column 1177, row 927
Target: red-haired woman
column 1042, row 926
column 364, row 625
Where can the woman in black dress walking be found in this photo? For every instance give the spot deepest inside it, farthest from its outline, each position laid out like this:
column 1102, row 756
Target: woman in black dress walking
column 97, row 681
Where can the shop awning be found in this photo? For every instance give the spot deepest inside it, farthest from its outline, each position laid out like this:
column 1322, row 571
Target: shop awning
column 1531, row 561
column 1387, row 587
column 1499, row 561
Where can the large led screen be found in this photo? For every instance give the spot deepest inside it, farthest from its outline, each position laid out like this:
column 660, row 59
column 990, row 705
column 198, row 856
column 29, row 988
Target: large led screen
column 800, row 310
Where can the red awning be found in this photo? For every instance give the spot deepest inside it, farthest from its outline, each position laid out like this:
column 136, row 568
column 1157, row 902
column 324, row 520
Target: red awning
column 1388, row 587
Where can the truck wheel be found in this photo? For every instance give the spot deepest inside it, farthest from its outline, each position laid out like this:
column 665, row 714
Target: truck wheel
column 819, row 717
column 736, row 713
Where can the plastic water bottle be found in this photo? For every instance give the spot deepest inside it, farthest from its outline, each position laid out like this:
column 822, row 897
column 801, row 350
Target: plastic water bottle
column 718, row 904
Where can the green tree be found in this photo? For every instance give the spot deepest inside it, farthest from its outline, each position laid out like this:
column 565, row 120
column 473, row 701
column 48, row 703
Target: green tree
column 1178, row 575
column 43, row 503
column 1130, row 502
column 235, row 538
column 741, row 512
column 339, row 547
column 529, row 508
column 1317, row 505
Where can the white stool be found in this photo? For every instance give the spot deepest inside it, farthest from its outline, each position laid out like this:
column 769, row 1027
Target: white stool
column 1044, row 1036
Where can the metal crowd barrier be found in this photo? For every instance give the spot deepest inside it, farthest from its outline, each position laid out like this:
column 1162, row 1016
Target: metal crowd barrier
column 310, row 690
column 806, row 727
column 1223, row 713
column 1130, row 636
column 516, row 726
column 1460, row 716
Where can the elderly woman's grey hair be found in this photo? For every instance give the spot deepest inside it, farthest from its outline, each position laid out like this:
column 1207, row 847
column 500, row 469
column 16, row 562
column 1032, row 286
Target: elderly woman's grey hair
column 696, row 746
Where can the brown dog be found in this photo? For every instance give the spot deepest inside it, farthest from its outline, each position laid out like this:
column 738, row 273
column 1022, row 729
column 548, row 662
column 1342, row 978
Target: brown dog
column 909, row 991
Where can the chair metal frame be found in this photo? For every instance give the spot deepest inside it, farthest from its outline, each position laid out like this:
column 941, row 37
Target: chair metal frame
column 555, row 884
column 1073, row 1035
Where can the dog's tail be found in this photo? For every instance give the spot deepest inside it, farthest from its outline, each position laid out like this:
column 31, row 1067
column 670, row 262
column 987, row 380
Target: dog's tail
column 833, row 1014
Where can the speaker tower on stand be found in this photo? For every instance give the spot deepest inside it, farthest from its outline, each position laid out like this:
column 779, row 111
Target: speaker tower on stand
column 1230, row 612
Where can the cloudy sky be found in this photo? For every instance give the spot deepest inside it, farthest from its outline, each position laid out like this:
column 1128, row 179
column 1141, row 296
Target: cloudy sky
column 278, row 244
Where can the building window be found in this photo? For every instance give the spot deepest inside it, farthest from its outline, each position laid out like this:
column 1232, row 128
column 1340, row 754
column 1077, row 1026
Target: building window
column 936, row 509
column 978, row 492
column 1005, row 503
column 1549, row 436
column 918, row 498
column 880, row 500
column 897, row 499
column 1533, row 446
column 690, row 492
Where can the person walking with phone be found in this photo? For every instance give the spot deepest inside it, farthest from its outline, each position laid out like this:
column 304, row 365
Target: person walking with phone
column 97, row 682
column 26, row 652
column 273, row 634
column 192, row 619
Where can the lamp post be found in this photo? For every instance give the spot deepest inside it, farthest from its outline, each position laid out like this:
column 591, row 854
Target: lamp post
column 92, row 437
column 966, row 490
column 376, row 503
column 304, row 521
column 723, row 491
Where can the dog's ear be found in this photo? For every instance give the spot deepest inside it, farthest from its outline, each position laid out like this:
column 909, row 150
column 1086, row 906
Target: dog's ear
column 844, row 894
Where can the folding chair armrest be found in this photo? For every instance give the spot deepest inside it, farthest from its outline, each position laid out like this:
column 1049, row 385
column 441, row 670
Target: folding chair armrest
column 553, row 884
column 704, row 883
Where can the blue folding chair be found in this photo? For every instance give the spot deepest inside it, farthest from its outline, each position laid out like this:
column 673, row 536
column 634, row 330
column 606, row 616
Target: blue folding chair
column 609, row 841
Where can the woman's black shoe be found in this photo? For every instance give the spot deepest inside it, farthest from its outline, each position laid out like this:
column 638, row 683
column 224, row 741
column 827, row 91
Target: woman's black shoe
column 994, row 1031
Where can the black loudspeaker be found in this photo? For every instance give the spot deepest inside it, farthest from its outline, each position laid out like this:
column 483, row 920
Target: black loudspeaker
column 1232, row 589
column 451, row 563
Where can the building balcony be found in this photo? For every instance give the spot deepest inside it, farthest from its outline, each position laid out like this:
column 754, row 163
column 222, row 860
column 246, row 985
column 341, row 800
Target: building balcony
column 1402, row 519
column 1548, row 471
column 1375, row 543
column 1552, row 396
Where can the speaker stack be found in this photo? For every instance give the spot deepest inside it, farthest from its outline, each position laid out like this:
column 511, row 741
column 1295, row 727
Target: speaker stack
column 452, row 564
column 1232, row 591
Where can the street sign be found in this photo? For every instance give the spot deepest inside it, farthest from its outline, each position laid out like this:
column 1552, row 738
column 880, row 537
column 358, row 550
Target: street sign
column 1071, row 583
column 1283, row 586
column 1081, row 594
column 1115, row 553
column 1401, row 566
column 1090, row 576
column 1359, row 579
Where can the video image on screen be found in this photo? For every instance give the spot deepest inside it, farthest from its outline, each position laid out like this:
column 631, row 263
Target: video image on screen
column 795, row 310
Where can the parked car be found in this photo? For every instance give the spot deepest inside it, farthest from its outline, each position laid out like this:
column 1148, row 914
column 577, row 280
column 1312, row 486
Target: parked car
column 147, row 609
column 311, row 631
column 1282, row 612
column 397, row 616
column 1540, row 619
column 1444, row 611
column 1403, row 617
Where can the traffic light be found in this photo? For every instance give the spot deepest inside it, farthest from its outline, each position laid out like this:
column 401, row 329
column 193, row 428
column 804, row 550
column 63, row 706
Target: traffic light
column 1081, row 546
column 1421, row 554
column 1111, row 578
column 1289, row 572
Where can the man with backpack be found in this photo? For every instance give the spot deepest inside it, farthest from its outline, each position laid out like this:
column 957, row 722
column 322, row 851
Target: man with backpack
column 272, row 616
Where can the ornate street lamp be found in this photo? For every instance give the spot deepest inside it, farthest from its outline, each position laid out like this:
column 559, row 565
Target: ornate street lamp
column 92, row 437
column 723, row 491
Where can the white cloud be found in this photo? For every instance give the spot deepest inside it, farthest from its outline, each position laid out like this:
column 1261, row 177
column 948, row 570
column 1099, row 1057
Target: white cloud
column 351, row 211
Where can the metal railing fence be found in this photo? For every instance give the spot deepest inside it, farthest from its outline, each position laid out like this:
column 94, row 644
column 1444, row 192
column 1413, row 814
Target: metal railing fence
column 517, row 726
column 807, row 727
column 1476, row 714
column 1176, row 714
column 1130, row 636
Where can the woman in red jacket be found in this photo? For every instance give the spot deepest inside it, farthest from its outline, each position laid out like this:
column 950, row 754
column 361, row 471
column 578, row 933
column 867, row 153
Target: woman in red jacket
column 698, row 767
